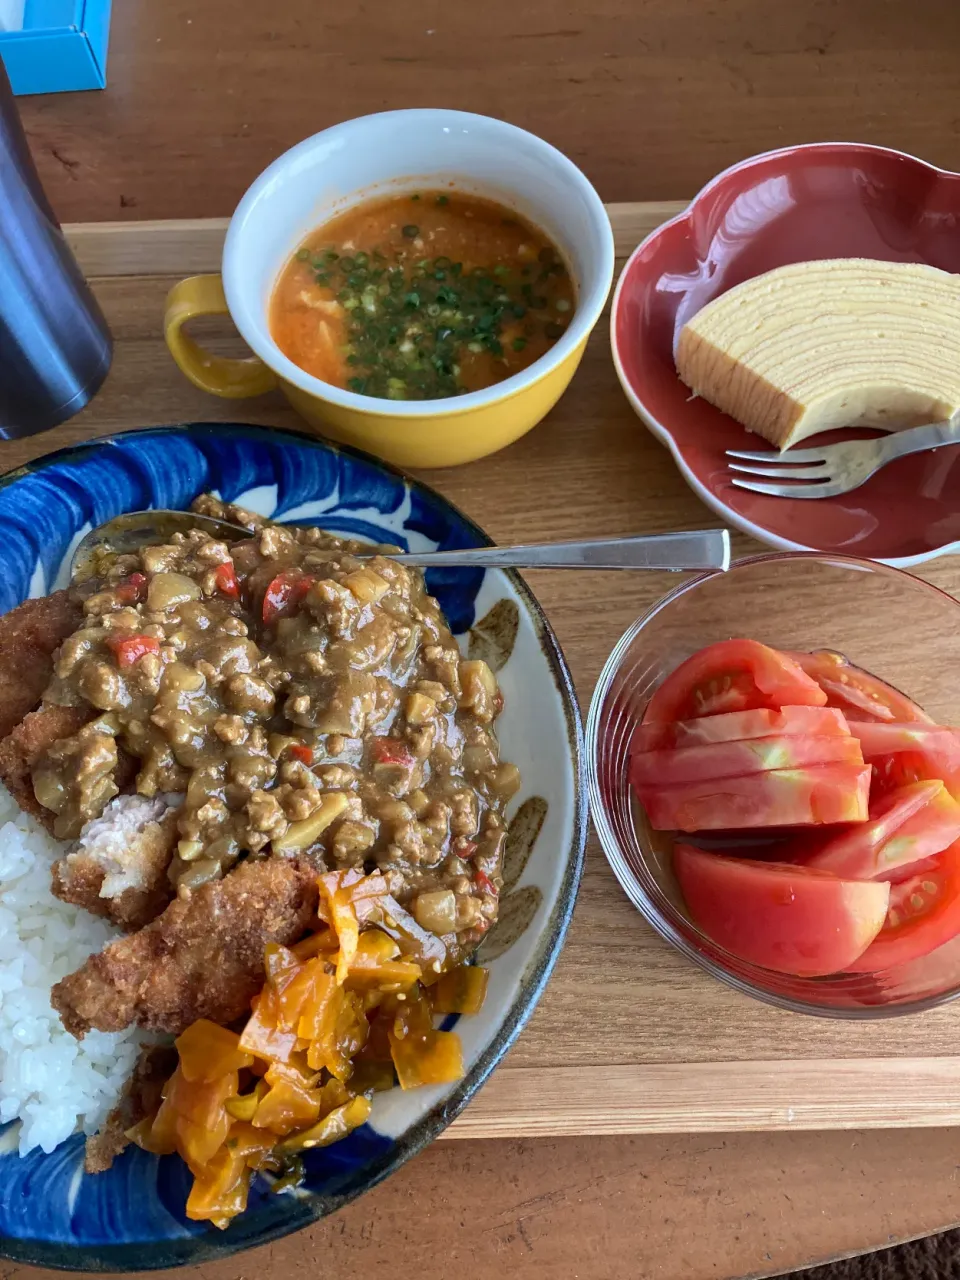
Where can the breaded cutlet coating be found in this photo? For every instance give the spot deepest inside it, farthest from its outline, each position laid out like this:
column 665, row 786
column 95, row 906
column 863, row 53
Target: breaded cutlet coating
column 118, row 869
column 202, row 958
column 29, row 637
column 25, row 744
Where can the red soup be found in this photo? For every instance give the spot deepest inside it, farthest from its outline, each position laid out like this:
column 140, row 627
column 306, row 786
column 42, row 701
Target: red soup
column 422, row 296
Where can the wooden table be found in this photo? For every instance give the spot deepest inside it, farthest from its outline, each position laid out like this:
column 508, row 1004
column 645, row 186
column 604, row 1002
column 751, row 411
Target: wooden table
column 651, row 98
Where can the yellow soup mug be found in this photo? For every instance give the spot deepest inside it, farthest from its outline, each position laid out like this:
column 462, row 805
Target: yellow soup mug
column 384, row 154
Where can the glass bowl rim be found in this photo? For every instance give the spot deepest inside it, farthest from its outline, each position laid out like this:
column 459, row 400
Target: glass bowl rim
column 652, row 913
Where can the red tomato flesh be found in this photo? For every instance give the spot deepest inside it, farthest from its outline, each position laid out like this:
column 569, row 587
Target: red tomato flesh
column 779, row 798
column 785, row 918
column 903, row 753
column 738, row 759
column 923, row 914
column 857, row 693
column 739, row 726
column 905, row 827
column 733, row 675
column 904, row 767
column 884, row 739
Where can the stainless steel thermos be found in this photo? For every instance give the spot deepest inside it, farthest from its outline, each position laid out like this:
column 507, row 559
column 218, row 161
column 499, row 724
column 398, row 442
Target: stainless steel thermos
column 55, row 346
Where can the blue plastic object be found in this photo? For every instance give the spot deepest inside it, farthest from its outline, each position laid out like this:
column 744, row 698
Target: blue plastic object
column 63, row 45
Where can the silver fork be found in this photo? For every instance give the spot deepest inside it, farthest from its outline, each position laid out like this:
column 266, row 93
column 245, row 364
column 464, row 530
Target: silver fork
column 838, row 468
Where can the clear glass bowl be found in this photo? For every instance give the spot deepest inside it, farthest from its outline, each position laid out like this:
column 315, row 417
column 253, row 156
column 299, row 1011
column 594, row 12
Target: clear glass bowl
column 887, row 621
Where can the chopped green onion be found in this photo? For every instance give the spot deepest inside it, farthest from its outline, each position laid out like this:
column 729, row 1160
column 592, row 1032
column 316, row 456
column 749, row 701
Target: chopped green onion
column 415, row 197
column 360, row 259
column 441, row 200
column 518, row 344
column 410, row 231
column 303, row 255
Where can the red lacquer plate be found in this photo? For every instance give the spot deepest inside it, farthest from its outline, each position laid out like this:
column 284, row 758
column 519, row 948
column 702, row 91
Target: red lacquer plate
column 823, row 200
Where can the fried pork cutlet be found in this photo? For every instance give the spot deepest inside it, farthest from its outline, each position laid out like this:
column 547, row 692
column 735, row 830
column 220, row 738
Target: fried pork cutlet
column 21, row 749
column 141, row 1098
column 203, row 958
column 29, row 636
column 118, row 868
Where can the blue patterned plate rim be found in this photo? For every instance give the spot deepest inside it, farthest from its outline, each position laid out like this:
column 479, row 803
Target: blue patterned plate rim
column 198, row 1250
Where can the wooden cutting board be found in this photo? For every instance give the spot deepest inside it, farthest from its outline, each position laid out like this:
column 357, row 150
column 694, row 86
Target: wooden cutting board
column 629, row 1037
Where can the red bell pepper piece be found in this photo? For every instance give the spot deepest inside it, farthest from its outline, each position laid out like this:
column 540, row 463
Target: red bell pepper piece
column 128, row 650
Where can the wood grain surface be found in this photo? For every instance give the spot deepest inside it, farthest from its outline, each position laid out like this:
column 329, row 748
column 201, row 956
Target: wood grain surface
column 651, row 97
column 667, row 1048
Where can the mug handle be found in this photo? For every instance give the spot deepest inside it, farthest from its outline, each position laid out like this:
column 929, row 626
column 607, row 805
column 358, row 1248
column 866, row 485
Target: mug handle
column 234, row 379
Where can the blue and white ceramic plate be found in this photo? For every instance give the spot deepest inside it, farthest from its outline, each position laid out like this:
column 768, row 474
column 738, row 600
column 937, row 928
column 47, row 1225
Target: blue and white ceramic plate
column 131, row 1218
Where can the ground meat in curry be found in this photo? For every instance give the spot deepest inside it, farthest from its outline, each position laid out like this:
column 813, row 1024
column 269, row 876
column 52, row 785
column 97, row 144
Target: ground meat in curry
column 305, row 701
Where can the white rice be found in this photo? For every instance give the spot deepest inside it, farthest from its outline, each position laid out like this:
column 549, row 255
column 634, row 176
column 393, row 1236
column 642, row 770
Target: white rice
column 50, row 1082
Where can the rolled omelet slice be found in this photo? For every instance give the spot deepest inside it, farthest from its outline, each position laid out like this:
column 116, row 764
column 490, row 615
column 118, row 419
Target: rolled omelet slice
column 839, row 343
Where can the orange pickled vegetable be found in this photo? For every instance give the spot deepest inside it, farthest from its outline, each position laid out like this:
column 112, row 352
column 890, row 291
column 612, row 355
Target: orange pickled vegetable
column 322, row 943
column 338, row 1013
column 160, row 1141
column 372, row 1076
column 296, row 991
column 202, row 1121
column 255, row 1146
column 415, row 942
column 318, row 1019
column 288, row 1104
column 421, row 1054
column 262, row 1035
column 375, row 967
column 220, row 1189
column 339, row 909
column 438, row 1060
column 244, row 1106
column 332, row 1127
column 351, row 1035
column 333, row 1094
column 461, row 990
column 208, row 1051
column 280, row 964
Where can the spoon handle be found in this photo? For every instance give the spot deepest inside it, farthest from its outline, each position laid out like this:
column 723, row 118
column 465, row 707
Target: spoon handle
column 698, row 549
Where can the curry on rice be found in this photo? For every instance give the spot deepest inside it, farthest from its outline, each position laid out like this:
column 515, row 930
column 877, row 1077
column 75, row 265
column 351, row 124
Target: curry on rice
column 283, row 780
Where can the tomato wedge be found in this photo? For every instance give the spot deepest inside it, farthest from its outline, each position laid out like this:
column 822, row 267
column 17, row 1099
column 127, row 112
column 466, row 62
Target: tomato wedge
column 857, row 693
column 904, row 767
column 878, row 739
column 786, row 918
column 903, row 753
column 923, row 914
column 739, row 726
column 738, row 759
column 779, row 798
column 906, row 827
column 733, row 675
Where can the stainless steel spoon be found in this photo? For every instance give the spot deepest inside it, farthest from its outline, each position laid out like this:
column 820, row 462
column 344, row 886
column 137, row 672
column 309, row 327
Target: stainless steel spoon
column 697, row 549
